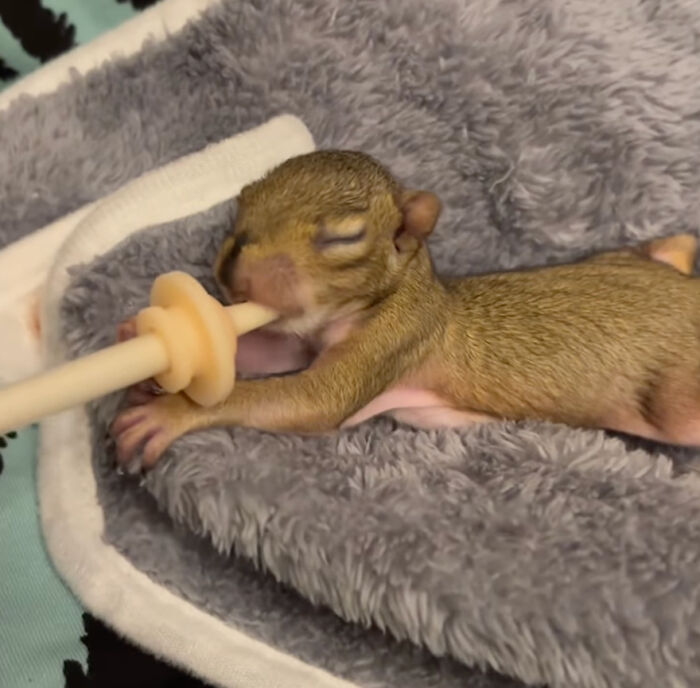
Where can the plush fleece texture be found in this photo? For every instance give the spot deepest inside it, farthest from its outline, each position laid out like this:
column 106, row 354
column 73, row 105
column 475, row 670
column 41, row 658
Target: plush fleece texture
column 550, row 129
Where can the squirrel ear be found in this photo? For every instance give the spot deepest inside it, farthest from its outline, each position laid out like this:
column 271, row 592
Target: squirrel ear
column 420, row 211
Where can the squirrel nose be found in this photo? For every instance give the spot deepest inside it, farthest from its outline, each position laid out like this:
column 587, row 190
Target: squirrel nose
column 271, row 281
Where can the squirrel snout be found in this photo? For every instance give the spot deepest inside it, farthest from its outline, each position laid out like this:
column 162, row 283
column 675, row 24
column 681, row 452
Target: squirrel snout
column 272, row 281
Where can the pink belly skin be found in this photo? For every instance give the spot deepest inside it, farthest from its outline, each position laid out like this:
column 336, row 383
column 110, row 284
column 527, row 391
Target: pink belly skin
column 271, row 353
column 417, row 407
column 426, row 410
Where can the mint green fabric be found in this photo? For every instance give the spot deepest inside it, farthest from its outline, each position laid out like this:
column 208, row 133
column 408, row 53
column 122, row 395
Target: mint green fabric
column 40, row 621
column 91, row 17
column 12, row 51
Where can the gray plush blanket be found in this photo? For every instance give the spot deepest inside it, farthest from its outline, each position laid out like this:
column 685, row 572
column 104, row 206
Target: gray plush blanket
column 550, row 129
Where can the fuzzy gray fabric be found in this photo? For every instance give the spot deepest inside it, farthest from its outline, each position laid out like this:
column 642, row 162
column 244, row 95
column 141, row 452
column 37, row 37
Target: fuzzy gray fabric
column 550, row 129
column 551, row 554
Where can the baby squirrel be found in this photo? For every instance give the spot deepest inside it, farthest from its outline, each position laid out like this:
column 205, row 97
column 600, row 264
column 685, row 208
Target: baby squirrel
column 337, row 246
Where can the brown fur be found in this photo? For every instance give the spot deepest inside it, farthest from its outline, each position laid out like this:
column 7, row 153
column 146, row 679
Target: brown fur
column 334, row 243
